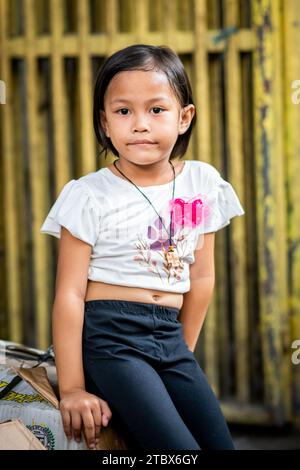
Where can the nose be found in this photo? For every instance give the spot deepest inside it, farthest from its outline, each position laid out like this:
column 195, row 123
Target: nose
column 140, row 123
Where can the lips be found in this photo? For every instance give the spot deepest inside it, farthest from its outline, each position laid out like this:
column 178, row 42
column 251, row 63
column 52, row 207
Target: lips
column 142, row 142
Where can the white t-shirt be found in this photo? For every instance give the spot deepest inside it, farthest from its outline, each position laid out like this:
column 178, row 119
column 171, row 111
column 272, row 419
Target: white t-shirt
column 126, row 235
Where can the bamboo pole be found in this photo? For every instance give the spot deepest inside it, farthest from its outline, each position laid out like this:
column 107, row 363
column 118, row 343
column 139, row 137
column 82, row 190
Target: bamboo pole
column 237, row 255
column 85, row 131
column 270, row 194
column 291, row 67
column 203, row 152
column 59, row 102
column 37, row 176
column 13, row 293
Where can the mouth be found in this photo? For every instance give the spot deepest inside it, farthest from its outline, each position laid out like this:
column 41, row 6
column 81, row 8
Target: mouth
column 142, row 142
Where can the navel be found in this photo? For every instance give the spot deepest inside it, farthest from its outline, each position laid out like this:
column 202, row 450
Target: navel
column 155, row 297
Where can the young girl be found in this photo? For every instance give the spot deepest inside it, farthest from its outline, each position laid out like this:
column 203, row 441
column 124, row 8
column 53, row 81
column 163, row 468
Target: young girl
column 135, row 270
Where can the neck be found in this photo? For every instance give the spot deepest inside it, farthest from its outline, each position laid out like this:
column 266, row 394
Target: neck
column 148, row 174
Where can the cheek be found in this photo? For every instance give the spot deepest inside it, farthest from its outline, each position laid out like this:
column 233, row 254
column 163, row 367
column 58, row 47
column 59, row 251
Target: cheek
column 168, row 129
column 118, row 129
column 169, row 122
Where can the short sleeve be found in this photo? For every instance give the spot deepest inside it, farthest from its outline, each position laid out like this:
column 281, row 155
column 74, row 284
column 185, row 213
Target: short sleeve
column 75, row 210
column 222, row 204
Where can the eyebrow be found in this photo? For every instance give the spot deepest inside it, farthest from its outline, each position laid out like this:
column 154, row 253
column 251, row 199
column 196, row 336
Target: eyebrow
column 122, row 100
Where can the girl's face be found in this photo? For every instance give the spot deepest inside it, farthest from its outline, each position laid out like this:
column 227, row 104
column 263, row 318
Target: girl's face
column 143, row 117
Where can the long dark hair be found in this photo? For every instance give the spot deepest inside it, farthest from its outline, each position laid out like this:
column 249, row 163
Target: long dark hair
column 143, row 57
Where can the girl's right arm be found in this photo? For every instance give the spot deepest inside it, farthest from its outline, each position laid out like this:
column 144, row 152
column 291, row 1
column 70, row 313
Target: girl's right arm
column 78, row 407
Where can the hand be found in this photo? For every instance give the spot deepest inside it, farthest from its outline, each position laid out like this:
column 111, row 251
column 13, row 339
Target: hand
column 78, row 408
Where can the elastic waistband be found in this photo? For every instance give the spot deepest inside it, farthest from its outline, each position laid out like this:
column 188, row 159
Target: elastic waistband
column 135, row 307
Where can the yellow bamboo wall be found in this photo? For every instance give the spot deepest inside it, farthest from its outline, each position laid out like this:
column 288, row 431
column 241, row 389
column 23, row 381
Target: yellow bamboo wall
column 241, row 56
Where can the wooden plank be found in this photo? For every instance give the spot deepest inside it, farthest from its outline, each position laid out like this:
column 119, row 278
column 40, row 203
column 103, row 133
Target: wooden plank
column 270, row 196
column 13, row 288
column 203, row 153
column 250, row 413
column 237, row 255
column 62, row 164
column 291, row 17
column 59, row 104
column 182, row 41
column 85, row 130
column 37, row 177
column 201, row 90
column 3, row 317
column 111, row 44
column 169, row 24
column 141, row 20
column 127, row 18
column 280, row 208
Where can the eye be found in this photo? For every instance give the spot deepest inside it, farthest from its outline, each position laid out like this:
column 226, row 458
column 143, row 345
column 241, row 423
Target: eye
column 157, row 108
column 126, row 109
column 122, row 109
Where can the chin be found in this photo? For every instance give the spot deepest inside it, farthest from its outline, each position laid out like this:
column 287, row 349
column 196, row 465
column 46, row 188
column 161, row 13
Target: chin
column 144, row 160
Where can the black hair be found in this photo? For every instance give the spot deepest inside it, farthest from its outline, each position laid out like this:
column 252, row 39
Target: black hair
column 143, row 57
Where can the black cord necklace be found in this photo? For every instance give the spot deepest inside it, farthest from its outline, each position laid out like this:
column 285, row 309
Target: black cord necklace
column 171, row 257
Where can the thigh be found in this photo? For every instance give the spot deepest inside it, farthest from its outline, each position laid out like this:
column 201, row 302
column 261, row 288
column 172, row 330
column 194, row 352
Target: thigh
column 196, row 402
column 134, row 389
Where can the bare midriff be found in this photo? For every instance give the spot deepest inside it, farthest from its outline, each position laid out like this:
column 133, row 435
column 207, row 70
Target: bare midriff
column 99, row 290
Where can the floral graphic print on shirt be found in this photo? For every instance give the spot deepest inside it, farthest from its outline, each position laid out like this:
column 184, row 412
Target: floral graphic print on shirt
column 187, row 216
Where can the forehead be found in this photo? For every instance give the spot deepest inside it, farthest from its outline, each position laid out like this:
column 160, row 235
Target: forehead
column 137, row 84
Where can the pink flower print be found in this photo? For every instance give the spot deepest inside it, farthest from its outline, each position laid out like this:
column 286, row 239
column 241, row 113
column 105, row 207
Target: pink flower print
column 190, row 213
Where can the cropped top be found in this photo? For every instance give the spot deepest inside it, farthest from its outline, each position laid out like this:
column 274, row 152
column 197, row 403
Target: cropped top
column 127, row 237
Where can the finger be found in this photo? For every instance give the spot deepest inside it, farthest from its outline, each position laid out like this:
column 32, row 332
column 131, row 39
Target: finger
column 106, row 413
column 76, row 424
column 66, row 421
column 97, row 416
column 89, row 428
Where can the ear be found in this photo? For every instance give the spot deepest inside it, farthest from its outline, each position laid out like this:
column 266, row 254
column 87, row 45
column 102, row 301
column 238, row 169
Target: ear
column 104, row 122
column 186, row 116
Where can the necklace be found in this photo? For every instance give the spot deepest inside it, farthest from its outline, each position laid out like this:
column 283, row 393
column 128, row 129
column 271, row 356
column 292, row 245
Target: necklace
column 171, row 257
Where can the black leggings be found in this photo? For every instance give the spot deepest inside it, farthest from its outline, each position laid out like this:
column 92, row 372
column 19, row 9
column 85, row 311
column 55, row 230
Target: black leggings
column 135, row 358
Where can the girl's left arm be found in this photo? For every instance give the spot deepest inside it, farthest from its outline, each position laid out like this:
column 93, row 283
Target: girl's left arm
column 196, row 301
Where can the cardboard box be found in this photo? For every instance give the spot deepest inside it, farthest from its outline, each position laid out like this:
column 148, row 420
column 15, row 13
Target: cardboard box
column 15, row 436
